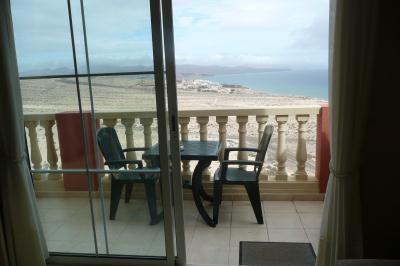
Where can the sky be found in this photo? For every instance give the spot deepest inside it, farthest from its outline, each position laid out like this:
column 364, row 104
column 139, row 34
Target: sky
column 256, row 33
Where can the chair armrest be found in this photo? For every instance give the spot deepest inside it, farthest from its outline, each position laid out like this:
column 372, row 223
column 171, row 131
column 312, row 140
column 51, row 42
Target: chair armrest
column 228, row 150
column 135, row 149
column 242, row 162
column 138, row 162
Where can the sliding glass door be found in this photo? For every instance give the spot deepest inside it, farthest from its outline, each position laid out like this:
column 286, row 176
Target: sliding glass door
column 95, row 98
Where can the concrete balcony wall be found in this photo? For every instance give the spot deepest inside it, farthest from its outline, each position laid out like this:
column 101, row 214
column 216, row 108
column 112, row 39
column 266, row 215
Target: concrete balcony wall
column 233, row 127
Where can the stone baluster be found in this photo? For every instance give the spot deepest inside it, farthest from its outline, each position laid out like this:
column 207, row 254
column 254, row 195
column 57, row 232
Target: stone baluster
column 203, row 121
column 242, row 121
column 222, row 120
column 52, row 157
column 301, row 153
column 36, row 156
column 262, row 122
column 128, row 124
column 184, row 122
column 146, row 123
column 281, row 154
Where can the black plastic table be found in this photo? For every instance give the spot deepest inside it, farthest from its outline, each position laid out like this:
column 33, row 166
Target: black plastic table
column 202, row 151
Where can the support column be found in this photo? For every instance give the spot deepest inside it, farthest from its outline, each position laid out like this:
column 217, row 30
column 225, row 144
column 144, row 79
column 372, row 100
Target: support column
column 281, row 154
column 203, row 121
column 301, row 153
column 222, row 120
column 262, row 122
column 184, row 122
column 52, row 157
column 130, row 143
column 146, row 123
column 242, row 121
column 36, row 156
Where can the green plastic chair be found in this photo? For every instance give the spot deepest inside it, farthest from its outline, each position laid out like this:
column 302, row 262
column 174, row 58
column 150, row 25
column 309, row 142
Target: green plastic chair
column 114, row 156
column 236, row 176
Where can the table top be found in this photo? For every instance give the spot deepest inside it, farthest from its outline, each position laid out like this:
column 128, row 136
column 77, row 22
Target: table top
column 192, row 150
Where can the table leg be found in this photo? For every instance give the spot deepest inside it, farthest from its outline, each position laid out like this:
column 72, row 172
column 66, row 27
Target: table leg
column 197, row 190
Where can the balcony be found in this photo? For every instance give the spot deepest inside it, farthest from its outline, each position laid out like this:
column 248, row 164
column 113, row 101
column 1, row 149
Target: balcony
column 289, row 172
column 290, row 184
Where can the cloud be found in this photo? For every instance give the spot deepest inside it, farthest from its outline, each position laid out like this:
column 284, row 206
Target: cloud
column 282, row 33
column 117, row 31
column 256, row 32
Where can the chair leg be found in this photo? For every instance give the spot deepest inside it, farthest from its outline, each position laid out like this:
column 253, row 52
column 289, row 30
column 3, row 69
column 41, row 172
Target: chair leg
column 217, row 198
column 116, row 190
column 128, row 192
column 150, row 187
column 253, row 192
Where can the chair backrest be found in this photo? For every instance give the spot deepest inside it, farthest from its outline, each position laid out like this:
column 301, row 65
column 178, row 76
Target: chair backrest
column 263, row 146
column 110, row 146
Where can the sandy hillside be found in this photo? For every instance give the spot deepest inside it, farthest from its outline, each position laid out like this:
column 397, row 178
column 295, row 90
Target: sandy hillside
column 128, row 93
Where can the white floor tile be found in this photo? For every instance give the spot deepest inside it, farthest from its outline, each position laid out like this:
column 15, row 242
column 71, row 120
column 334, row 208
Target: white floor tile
column 226, row 206
column 189, row 232
column 57, row 215
column 283, row 221
column 67, row 226
column 73, row 232
column 279, row 206
column 287, row 235
column 224, row 220
column 60, row 246
column 63, row 203
column 247, row 234
column 311, row 220
column 309, row 206
column 212, row 237
column 245, row 219
column 313, row 237
column 241, row 206
column 209, row 255
column 234, row 256
column 50, row 228
column 114, row 229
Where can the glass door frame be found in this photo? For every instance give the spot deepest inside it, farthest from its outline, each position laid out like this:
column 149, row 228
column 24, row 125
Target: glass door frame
column 169, row 48
column 167, row 117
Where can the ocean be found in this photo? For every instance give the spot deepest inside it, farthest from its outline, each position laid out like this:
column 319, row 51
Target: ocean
column 310, row 83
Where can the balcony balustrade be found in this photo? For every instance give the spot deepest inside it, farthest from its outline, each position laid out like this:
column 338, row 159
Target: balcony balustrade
column 278, row 184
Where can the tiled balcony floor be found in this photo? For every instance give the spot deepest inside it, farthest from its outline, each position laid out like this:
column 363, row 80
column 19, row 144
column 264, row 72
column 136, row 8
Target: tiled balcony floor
column 68, row 228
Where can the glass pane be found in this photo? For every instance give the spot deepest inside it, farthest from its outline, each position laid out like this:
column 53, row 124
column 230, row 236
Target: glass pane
column 42, row 37
column 65, row 217
column 118, row 35
column 60, row 138
column 127, row 104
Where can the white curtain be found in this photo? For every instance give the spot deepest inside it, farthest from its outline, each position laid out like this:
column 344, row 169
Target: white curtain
column 351, row 54
column 21, row 236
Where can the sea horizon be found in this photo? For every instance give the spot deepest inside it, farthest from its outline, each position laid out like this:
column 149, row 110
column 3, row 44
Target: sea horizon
column 305, row 83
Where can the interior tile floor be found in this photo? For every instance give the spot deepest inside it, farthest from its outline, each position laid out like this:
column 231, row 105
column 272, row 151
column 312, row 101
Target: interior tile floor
column 68, row 227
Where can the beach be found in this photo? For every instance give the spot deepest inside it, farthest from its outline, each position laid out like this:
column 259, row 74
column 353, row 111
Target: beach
column 136, row 93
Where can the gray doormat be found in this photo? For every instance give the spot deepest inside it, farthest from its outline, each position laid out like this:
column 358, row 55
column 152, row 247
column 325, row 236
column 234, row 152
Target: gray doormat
column 276, row 254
